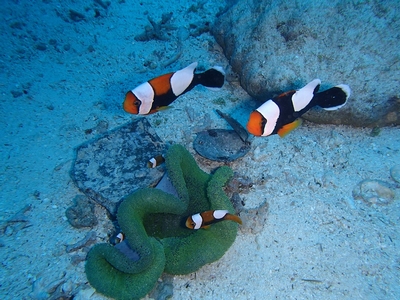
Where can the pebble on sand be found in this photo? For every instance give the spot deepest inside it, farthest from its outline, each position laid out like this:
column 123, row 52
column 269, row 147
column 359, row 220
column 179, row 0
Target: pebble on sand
column 81, row 214
column 374, row 192
column 395, row 173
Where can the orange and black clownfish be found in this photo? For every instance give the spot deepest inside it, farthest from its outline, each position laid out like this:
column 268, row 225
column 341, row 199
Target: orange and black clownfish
column 155, row 161
column 156, row 94
column 280, row 115
column 207, row 218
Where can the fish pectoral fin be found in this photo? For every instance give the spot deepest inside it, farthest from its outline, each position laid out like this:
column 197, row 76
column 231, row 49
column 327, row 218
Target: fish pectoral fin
column 160, row 108
column 206, row 227
column 289, row 127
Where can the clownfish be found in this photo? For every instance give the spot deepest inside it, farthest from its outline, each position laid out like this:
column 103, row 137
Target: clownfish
column 207, row 218
column 117, row 238
column 155, row 161
column 156, row 94
column 280, row 115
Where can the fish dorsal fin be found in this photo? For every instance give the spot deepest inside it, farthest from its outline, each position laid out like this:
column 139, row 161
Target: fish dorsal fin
column 303, row 96
column 289, row 127
column 181, row 79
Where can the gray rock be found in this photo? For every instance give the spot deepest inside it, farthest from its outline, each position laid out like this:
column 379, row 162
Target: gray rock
column 81, row 213
column 374, row 192
column 88, row 240
column 254, row 219
column 114, row 165
column 276, row 46
column 164, row 288
column 395, row 173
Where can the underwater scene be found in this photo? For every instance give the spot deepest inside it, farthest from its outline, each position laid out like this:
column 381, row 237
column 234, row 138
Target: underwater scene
column 233, row 149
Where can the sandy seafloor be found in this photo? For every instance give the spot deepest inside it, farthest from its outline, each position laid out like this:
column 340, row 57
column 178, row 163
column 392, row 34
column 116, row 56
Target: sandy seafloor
column 317, row 242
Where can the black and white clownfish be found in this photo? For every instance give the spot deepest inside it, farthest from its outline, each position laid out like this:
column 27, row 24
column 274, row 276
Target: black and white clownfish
column 209, row 217
column 156, row 94
column 155, row 161
column 280, row 115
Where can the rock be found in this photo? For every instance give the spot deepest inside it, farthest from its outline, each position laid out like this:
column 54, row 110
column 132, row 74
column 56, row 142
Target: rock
column 103, row 4
column 43, row 289
column 76, row 16
column 16, row 93
column 8, row 231
column 164, row 288
column 260, row 154
column 114, row 165
column 374, row 192
column 81, row 214
column 76, row 259
column 275, row 46
column 41, row 46
column 67, row 47
column 395, row 173
column 157, row 30
column 239, row 184
column 88, row 240
column 17, row 222
column 85, row 294
column 254, row 219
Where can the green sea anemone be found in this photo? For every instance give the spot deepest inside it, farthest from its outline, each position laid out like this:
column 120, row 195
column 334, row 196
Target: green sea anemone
column 153, row 223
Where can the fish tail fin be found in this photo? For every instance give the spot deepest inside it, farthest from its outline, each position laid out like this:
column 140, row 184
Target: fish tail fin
column 233, row 218
column 213, row 78
column 334, row 98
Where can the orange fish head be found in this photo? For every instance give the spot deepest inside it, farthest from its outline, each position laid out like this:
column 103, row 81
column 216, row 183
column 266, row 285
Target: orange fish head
column 190, row 223
column 131, row 103
column 255, row 125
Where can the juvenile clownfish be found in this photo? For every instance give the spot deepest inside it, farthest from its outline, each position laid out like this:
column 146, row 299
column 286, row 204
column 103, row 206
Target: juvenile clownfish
column 120, row 236
column 117, row 238
column 280, row 115
column 206, row 218
column 155, row 161
column 156, row 94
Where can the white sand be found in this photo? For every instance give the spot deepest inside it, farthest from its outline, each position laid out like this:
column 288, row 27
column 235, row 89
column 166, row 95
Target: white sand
column 318, row 242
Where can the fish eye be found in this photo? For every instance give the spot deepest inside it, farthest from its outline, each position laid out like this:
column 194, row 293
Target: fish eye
column 137, row 103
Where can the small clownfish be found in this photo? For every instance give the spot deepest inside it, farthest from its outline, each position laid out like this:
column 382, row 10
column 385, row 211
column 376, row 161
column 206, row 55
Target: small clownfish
column 120, row 237
column 280, row 115
column 206, row 218
column 155, row 161
column 117, row 238
column 156, row 94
